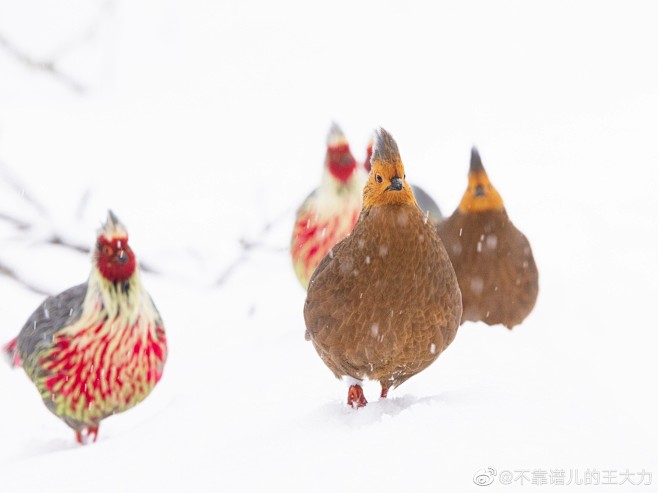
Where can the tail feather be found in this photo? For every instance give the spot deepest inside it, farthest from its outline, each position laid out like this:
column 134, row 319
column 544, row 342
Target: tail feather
column 10, row 352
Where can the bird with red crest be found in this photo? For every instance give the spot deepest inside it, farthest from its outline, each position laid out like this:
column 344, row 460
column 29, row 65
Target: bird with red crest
column 329, row 213
column 98, row 348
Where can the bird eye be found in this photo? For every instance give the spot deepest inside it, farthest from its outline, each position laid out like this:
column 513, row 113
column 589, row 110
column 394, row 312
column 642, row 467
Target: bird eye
column 379, row 178
column 107, row 250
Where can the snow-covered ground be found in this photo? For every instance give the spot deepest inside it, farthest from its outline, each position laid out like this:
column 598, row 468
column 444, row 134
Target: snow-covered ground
column 202, row 125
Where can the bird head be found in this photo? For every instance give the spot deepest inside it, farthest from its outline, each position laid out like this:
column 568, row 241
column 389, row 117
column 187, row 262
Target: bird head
column 387, row 181
column 113, row 256
column 480, row 194
column 366, row 163
column 340, row 162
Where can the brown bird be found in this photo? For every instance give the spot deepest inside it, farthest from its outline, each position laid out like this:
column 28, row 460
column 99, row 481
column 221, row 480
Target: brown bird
column 384, row 302
column 493, row 260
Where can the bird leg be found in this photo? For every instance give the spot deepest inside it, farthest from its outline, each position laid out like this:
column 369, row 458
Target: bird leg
column 384, row 393
column 355, row 397
column 83, row 439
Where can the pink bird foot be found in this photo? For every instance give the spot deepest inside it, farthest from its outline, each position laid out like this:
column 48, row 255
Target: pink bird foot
column 84, row 439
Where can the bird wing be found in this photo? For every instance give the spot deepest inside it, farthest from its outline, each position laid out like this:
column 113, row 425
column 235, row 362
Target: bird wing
column 55, row 313
column 305, row 204
column 427, row 204
column 324, row 264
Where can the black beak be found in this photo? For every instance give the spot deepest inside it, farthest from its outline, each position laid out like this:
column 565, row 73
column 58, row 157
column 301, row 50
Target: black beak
column 396, row 184
column 479, row 191
column 122, row 257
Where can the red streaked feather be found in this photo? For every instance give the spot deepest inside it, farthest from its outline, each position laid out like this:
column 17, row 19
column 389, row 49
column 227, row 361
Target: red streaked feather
column 82, row 369
column 11, row 350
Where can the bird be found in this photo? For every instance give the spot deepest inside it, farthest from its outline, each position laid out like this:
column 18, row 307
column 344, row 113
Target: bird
column 493, row 260
column 329, row 213
column 384, row 302
column 423, row 199
column 98, row 348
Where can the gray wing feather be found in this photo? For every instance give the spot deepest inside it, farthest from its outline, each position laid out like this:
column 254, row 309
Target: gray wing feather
column 306, row 201
column 427, row 204
column 55, row 313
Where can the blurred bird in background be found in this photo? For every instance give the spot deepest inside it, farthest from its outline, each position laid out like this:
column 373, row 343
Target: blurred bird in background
column 329, row 213
column 492, row 258
column 98, row 348
column 384, row 303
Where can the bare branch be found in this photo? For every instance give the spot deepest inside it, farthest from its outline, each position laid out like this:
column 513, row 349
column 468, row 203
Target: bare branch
column 231, row 268
column 82, row 205
column 6, row 271
column 20, row 225
column 15, row 183
column 87, row 34
column 46, row 66
column 59, row 241
column 55, row 238
column 248, row 246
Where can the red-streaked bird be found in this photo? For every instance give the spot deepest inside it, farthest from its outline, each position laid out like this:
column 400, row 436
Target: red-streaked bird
column 424, row 201
column 492, row 258
column 329, row 213
column 98, row 348
column 385, row 303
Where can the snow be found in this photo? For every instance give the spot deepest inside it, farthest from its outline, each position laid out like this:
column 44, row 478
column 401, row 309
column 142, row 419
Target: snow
column 203, row 127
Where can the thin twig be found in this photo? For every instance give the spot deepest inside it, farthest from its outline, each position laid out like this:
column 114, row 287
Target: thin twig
column 87, row 34
column 6, row 271
column 59, row 241
column 20, row 225
column 15, row 183
column 46, row 66
column 231, row 268
column 248, row 246
column 82, row 205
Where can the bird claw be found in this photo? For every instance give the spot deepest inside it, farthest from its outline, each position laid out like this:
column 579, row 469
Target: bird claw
column 355, row 397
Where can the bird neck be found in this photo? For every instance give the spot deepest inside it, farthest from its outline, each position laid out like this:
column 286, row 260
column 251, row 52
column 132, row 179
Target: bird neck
column 334, row 194
column 116, row 298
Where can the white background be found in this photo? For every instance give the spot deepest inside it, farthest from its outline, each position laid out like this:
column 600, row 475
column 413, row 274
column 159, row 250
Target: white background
column 203, row 123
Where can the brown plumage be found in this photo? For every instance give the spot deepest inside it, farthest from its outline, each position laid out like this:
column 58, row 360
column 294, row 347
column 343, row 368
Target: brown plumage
column 493, row 260
column 385, row 302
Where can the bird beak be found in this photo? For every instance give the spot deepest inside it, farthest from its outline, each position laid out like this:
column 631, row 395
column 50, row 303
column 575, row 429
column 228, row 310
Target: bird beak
column 396, row 184
column 122, row 257
column 479, row 191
